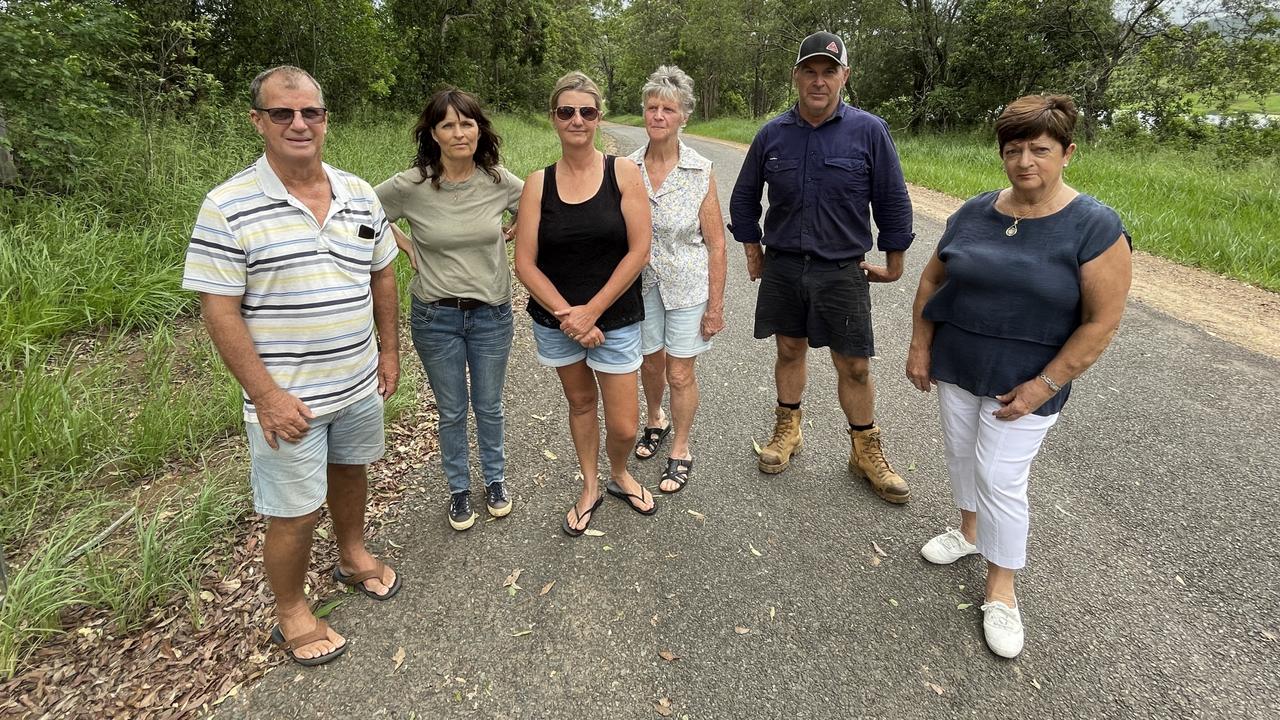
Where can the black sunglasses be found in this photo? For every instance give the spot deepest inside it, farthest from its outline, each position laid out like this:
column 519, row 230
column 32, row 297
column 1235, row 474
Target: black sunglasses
column 565, row 113
column 284, row 116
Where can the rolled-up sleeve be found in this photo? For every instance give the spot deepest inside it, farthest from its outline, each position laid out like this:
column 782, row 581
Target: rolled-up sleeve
column 744, row 204
column 890, row 203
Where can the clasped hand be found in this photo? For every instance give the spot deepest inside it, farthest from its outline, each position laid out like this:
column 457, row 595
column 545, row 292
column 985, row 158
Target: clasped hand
column 579, row 324
column 1023, row 400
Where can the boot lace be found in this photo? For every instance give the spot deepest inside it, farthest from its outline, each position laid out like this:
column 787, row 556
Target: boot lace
column 875, row 453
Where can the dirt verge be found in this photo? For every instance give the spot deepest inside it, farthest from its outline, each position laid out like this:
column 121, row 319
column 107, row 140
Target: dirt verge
column 1238, row 313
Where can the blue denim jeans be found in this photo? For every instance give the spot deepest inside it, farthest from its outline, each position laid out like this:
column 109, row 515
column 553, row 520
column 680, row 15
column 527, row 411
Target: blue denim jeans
column 450, row 342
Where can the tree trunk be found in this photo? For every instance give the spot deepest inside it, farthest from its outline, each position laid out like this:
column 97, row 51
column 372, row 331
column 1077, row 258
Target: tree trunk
column 8, row 176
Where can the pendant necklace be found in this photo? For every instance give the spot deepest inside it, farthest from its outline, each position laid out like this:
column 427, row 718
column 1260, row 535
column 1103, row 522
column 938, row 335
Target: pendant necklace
column 1013, row 229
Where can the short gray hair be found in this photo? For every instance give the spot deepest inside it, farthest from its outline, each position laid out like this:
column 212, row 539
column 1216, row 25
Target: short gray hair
column 290, row 74
column 671, row 83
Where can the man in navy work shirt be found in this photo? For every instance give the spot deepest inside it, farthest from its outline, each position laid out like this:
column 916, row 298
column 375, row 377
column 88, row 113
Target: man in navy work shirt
column 827, row 165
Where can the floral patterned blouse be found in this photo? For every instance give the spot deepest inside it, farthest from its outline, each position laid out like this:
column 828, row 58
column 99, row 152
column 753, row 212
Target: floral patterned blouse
column 678, row 258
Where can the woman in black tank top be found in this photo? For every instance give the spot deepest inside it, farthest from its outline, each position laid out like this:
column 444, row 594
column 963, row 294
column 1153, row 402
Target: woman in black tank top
column 582, row 240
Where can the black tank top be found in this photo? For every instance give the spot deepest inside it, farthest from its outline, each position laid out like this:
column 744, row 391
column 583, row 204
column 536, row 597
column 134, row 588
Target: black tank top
column 579, row 247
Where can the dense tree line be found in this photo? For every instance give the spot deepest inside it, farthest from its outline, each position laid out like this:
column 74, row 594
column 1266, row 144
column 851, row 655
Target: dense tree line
column 69, row 69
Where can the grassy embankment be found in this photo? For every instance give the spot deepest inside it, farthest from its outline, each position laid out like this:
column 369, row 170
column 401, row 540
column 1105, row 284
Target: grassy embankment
column 1185, row 205
column 114, row 398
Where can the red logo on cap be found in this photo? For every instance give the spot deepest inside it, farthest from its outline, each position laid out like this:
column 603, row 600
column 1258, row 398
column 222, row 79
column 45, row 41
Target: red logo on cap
column 832, row 47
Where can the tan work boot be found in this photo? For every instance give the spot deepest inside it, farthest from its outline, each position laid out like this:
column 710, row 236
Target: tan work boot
column 787, row 441
column 867, row 459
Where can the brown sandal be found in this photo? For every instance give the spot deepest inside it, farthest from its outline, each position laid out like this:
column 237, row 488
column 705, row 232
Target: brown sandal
column 357, row 580
column 321, row 632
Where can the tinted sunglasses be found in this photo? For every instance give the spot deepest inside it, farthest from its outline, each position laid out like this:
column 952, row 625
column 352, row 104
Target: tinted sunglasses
column 565, row 113
column 284, row 116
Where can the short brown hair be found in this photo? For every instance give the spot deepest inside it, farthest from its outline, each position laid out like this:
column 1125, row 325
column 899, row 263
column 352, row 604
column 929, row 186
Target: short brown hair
column 290, row 74
column 1031, row 116
column 576, row 81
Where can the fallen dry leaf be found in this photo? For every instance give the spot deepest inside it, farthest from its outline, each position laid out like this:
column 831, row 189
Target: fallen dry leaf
column 876, row 546
column 520, row 633
column 1181, row 582
column 398, row 658
column 663, row 709
column 512, row 578
column 668, row 655
column 546, row 588
column 755, row 446
column 1269, row 635
column 753, row 549
column 964, row 606
column 654, row 620
column 741, row 630
column 772, row 612
column 549, row 455
column 875, row 561
column 1036, row 683
column 592, row 532
column 893, row 602
column 697, row 515
column 935, row 687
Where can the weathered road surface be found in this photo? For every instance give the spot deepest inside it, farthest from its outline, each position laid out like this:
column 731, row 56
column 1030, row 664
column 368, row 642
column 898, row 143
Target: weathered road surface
column 1152, row 588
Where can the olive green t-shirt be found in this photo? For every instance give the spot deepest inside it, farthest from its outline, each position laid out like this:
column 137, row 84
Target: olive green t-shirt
column 457, row 232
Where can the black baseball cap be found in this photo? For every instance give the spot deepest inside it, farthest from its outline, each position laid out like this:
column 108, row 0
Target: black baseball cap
column 826, row 44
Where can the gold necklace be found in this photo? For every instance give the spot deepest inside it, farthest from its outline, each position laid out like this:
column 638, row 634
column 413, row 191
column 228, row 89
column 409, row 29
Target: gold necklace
column 1013, row 229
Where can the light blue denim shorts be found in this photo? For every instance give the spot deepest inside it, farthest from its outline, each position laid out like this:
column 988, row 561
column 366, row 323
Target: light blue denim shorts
column 678, row 331
column 292, row 481
column 618, row 355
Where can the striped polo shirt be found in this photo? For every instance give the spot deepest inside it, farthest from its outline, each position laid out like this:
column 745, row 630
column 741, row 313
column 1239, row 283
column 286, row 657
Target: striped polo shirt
column 304, row 286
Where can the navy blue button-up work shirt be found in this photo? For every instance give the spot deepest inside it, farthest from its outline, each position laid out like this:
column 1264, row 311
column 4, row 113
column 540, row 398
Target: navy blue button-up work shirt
column 824, row 182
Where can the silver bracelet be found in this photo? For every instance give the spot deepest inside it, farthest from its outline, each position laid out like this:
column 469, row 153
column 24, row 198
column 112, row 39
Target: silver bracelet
column 1055, row 387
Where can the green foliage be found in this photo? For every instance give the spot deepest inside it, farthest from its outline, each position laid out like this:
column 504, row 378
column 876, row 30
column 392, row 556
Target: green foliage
column 342, row 43
column 61, row 67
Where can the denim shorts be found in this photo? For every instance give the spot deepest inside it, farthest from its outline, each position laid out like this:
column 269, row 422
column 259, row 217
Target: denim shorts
column 292, row 481
column 678, row 331
column 618, row 355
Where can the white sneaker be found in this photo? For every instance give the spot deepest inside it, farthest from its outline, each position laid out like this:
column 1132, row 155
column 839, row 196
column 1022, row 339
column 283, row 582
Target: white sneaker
column 947, row 548
column 1002, row 628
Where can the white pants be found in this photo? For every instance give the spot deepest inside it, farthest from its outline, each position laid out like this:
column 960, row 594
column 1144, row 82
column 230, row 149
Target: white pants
column 989, row 460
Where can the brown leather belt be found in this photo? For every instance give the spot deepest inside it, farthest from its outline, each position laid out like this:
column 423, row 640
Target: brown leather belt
column 460, row 303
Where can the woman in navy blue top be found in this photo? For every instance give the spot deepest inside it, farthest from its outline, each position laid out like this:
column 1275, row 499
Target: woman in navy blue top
column 1023, row 294
column 582, row 240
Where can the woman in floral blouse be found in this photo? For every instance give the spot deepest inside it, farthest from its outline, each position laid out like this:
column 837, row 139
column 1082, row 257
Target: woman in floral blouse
column 684, row 281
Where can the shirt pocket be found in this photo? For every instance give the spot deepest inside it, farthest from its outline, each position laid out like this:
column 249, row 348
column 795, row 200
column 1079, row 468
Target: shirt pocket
column 844, row 177
column 782, row 174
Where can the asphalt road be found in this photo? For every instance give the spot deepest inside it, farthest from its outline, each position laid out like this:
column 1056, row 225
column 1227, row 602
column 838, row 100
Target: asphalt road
column 1151, row 589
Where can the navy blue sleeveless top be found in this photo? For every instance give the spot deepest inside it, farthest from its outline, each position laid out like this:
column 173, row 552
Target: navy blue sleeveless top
column 1009, row 303
column 579, row 247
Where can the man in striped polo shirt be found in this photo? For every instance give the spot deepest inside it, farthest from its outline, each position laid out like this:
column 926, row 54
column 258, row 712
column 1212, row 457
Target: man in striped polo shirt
column 292, row 260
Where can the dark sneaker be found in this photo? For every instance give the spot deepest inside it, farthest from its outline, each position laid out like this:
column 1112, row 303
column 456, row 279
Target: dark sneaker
column 460, row 515
column 496, row 498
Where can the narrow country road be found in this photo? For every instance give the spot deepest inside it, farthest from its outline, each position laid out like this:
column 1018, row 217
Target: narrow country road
column 1151, row 589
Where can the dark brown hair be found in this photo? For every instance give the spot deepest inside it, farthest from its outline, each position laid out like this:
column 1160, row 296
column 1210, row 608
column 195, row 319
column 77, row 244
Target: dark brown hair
column 428, row 158
column 1031, row 116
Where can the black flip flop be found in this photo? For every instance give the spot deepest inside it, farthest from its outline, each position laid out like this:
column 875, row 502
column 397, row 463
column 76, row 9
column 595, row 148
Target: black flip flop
column 616, row 490
column 320, row 632
column 678, row 472
column 650, row 439
column 572, row 531
column 357, row 581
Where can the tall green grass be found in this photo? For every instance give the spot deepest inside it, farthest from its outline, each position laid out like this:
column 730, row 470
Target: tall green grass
column 1207, row 207
column 104, row 390
column 1188, row 206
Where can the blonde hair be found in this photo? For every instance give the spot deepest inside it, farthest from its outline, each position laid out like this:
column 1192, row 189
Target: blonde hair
column 576, row 81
